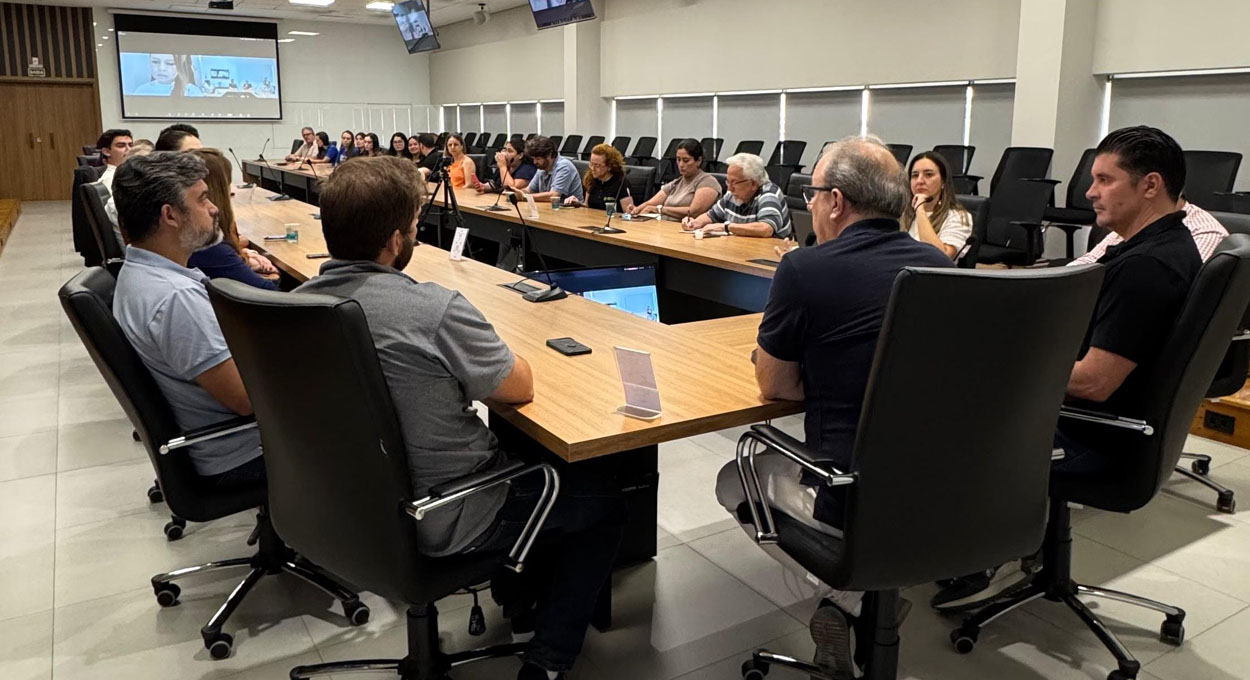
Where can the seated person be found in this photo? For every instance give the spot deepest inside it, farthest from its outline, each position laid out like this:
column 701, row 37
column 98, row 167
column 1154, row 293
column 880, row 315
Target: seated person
column 113, row 146
column 462, row 170
column 556, row 176
column 141, row 147
column 347, row 147
column 604, row 179
column 429, row 158
column 439, row 354
column 751, row 206
column 178, row 137
column 399, row 146
column 225, row 258
column 1203, row 227
column 513, row 169
column 691, row 194
column 306, row 150
column 372, row 145
column 1138, row 175
column 935, row 216
column 163, row 309
column 817, row 340
column 326, row 154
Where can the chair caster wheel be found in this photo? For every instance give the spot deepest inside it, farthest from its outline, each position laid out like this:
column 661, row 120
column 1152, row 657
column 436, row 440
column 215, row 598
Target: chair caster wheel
column 1121, row 675
column 1201, row 467
column 754, row 669
column 964, row 639
column 1226, row 503
column 357, row 612
column 155, row 495
column 219, row 646
column 1172, row 632
column 135, row 435
column 174, row 528
column 166, row 593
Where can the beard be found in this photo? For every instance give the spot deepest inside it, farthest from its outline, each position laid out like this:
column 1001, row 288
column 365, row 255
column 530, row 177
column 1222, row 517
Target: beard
column 405, row 256
column 194, row 240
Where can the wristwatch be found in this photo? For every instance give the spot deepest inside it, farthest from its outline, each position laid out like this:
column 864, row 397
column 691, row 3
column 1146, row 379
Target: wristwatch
column 727, row 232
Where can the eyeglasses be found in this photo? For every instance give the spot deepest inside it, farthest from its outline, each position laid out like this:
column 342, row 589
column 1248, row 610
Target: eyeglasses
column 596, row 165
column 731, row 183
column 810, row 191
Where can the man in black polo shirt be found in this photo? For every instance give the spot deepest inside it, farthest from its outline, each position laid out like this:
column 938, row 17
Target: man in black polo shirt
column 817, row 339
column 1138, row 175
column 430, row 159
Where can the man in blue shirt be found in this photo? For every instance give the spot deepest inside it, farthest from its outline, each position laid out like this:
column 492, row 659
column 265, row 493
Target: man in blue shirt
column 557, row 176
column 816, row 345
column 163, row 309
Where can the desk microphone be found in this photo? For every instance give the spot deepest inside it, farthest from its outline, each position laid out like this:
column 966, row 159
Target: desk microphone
column 607, row 228
column 248, row 185
column 553, row 291
column 495, row 207
column 282, row 195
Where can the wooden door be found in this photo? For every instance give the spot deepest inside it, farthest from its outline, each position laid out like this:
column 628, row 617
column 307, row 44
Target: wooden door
column 50, row 122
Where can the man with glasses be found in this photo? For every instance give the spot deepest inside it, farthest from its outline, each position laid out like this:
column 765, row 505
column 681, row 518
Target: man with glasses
column 816, row 344
column 752, row 205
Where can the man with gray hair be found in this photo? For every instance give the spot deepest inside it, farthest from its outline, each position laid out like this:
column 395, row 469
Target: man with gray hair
column 163, row 309
column 752, row 204
column 816, row 344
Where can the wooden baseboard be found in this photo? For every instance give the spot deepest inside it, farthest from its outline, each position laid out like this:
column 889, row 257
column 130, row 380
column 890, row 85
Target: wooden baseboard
column 10, row 208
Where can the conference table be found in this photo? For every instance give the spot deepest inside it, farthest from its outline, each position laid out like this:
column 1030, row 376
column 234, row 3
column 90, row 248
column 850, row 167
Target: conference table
column 703, row 370
column 696, row 279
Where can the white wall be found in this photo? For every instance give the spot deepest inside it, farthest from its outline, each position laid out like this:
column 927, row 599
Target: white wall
column 1157, row 35
column 507, row 59
column 350, row 77
column 674, row 46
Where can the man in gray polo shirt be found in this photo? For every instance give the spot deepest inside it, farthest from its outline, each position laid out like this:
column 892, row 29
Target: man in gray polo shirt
column 439, row 354
column 163, row 309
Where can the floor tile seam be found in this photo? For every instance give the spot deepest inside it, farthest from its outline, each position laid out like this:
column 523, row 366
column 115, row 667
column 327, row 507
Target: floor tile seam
column 6, row 619
column 746, row 585
column 763, row 645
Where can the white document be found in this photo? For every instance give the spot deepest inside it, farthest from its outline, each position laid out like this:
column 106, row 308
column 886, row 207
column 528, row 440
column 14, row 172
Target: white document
column 642, row 395
column 457, row 243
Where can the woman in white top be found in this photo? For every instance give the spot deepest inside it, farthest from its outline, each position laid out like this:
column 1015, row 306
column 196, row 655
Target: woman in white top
column 934, row 215
column 691, row 194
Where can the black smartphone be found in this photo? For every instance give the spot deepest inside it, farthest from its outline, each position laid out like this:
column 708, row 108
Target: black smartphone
column 317, row 256
column 568, row 346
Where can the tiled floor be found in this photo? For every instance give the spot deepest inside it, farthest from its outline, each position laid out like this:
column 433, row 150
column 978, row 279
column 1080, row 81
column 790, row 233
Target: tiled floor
column 79, row 541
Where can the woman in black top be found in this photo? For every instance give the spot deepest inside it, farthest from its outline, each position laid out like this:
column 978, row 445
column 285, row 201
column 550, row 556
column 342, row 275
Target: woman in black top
column 399, row 146
column 512, row 169
column 605, row 178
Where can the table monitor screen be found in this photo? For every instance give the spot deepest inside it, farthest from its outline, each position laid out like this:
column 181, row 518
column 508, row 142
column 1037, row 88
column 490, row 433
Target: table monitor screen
column 630, row 288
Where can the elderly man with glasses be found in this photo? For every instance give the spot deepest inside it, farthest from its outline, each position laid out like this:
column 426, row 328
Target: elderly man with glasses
column 752, row 205
column 816, row 343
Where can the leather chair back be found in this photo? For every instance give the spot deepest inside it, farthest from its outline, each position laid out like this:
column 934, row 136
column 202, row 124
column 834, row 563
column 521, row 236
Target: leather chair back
column 711, row 148
column 979, row 207
column 952, row 467
column 1082, row 180
column 1208, row 173
column 670, row 151
column 641, row 180
column 334, row 451
column 621, row 143
column 754, row 146
column 902, row 153
column 571, row 144
column 469, row 139
column 84, row 238
column 91, row 160
column 724, row 182
column 296, row 144
column 958, row 157
column 556, row 140
column 591, row 142
column 94, row 196
column 644, row 148
column 1021, row 162
column 794, row 191
column 582, row 166
column 87, row 300
column 804, row 234
column 789, row 152
column 1014, row 201
column 500, row 139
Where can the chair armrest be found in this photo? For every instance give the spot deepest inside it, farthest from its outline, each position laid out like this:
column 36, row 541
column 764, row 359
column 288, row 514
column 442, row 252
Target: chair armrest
column 1028, row 225
column 1069, row 228
column 1241, row 336
column 1043, row 180
column 753, row 491
column 975, row 178
column 1108, row 419
column 203, row 434
column 457, row 489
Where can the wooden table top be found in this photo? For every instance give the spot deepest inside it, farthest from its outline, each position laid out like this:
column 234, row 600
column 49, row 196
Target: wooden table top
column 706, row 380
column 664, row 238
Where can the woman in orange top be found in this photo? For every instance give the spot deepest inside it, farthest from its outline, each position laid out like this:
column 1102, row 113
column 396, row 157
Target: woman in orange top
column 462, row 167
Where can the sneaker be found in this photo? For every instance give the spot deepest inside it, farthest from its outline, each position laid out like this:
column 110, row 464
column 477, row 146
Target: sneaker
column 832, row 631
column 976, row 590
column 534, row 672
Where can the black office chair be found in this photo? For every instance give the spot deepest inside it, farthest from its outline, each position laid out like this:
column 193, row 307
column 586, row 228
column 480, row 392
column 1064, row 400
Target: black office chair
column 469, row 139
column 902, row 153
column 958, row 157
column 482, row 145
column 711, row 148
column 644, row 150
column 339, row 487
column 804, row 233
column 1079, row 211
column 1016, row 163
column 501, row 138
column 556, row 140
column 979, row 207
column 89, row 149
column 84, row 238
column 91, row 160
column 754, row 146
column 1012, row 231
column 531, row 136
column 591, row 142
column 780, row 175
column 87, row 299
column 794, row 192
column 296, row 144
column 1151, row 447
column 441, row 142
column 581, row 166
column 93, row 197
column 984, row 442
column 571, row 144
column 720, row 177
column 1209, row 174
column 641, row 180
column 621, row 143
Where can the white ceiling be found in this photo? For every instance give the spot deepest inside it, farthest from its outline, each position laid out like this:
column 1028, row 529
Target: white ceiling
column 442, row 12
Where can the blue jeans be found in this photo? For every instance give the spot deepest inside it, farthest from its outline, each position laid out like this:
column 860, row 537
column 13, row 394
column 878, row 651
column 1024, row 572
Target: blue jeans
column 568, row 565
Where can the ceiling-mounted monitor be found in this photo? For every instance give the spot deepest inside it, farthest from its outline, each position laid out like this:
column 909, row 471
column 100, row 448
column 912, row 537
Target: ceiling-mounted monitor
column 549, row 13
column 414, row 26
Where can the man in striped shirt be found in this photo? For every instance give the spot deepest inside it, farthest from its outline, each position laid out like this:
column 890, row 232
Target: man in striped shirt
column 751, row 206
column 1206, row 230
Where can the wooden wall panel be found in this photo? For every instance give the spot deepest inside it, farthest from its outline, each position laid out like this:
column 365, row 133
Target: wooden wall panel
column 60, row 36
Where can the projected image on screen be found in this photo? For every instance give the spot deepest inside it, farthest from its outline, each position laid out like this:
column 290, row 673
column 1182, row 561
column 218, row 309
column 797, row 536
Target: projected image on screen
column 184, row 75
column 414, row 26
column 548, row 13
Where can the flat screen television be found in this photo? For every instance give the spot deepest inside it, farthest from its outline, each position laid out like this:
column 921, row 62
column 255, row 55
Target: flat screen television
column 414, row 26
column 549, row 13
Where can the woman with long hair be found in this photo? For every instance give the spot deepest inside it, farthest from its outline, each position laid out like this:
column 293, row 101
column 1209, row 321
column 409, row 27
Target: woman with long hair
column 372, row 145
column 513, row 169
column 934, row 214
column 228, row 257
column 605, row 178
column 399, row 146
column 326, row 154
column 347, row 147
column 462, row 167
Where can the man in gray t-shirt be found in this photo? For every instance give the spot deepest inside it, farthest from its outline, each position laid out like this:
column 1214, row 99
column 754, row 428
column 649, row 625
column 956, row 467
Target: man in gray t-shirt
column 163, row 309
column 438, row 355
